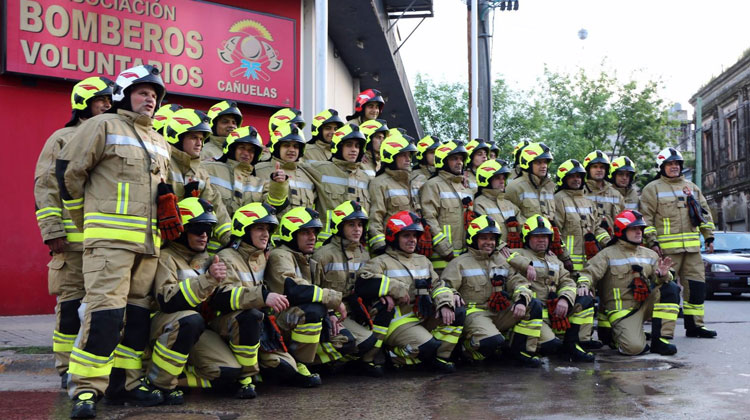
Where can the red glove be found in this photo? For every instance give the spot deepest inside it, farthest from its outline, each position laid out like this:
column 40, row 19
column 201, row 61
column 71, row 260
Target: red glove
column 590, row 247
column 556, row 246
column 192, row 189
column 424, row 243
column 639, row 286
column 168, row 213
column 558, row 322
column 499, row 299
column 514, row 236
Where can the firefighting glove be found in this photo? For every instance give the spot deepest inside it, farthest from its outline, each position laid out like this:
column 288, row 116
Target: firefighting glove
column 327, row 332
column 514, row 236
column 590, row 246
column 358, row 310
column 695, row 211
column 638, row 285
column 381, row 316
column 424, row 243
column 559, row 323
column 423, row 301
column 192, row 189
column 469, row 214
column 605, row 225
column 270, row 335
column 499, row 299
column 168, row 213
column 556, row 245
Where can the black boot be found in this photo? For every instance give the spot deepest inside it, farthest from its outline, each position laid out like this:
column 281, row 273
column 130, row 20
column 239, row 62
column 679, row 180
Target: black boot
column 246, row 391
column 518, row 352
column 84, row 406
column 571, row 350
column 700, row 332
column 144, row 395
column 659, row 344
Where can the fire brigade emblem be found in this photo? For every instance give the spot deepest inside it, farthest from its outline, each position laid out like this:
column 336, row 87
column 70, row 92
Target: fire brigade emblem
column 251, row 51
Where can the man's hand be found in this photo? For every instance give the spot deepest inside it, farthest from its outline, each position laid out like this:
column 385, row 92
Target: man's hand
column 335, row 325
column 218, row 269
column 505, row 252
column 342, row 311
column 447, row 315
column 277, row 302
column 458, row 301
column 583, row 290
column 531, row 273
column 519, row 310
column 389, row 303
column 278, row 174
column 657, row 249
column 57, row 245
column 663, row 266
column 710, row 248
column 561, row 309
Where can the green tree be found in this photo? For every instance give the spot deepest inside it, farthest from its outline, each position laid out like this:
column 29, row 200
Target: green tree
column 442, row 107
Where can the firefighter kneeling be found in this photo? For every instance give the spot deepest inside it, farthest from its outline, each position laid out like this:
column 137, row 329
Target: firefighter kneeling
column 498, row 299
column 409, row 285
column 627, row 275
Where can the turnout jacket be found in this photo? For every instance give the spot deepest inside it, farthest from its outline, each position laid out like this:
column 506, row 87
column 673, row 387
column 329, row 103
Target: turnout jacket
column 575, row 217
column 182, row 279
column 630, row 197
column 213, row 148
column 442, row 199
column 317, row 151
column 664, row 208
column 293, row 274
column 53, row 219
column 493, row 203
column 471, row 275
column 302, row 192
column 339, row 260
column 392, row 191
column 108, row 181
column 245, row 286
column 532, row 195
column 237, row 184
column 551, row 276
column 608, row 201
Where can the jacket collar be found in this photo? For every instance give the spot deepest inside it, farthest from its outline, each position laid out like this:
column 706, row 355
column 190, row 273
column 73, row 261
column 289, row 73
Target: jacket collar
column 346, row 165
column 217, row 140
column 448, row 176
column 183, row 160
column 248, row 251
column 136, row 118
column 398, row 254
column 287, row 166
column 399, row 175
column 241, row 166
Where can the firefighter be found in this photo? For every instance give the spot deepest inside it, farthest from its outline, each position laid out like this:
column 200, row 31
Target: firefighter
column 313, row 309
column 621, row 176
column 446, row 203
column 675, row 211
column 186, row 130
column 340, row 258
column 393, row 190
column 225, row 117
column 341, row 179
column 233, row 175
column 564, row 312
column 492, row 177
column 497, row 298
column 111, row 174
column 494, row 150
column 323, row 126
column 283, row 116
column 248, row 309
column 89, row 98
column 477, row 151
column 634, row 284
column 368, row 106
column 428, row 316
column 608, row 200
column 162, row 116
column 425, row 166
column 375, row 132
column 185, row 353
column 517, row 171
column 287, row 148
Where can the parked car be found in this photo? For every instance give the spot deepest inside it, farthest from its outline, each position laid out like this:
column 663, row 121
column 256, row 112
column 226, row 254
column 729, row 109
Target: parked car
column 728, row 268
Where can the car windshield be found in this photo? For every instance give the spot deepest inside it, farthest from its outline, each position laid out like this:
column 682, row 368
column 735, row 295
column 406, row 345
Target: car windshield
column 738, row 242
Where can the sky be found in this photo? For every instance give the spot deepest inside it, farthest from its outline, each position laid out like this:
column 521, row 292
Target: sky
column 682, row 42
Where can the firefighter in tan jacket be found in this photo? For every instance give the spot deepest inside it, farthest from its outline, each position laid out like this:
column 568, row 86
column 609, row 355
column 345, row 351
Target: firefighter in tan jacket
column 186, row 131
column 498, row 299
column 184, row 352
column 111, row 175
column 225, row 117
column 634, row 284
column 564, row 312
column 608, row 200
column 375, row 132
column 312, row 308
column 445, row 204
column 248, row 310
column 233, row 175
column 341, row 179
column 676, row 213
column 89, row 98
column 367, row 106
column 621, row 176
column 318, row 149
column 393, row 190
column 490, row 200
column 428, row 316
column 477, row 151
column 425, row 166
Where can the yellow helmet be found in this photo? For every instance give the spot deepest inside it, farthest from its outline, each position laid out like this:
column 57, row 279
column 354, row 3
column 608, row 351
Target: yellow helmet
column 285, row 116
column 536, row 225
column 532, row 152
column 426, row 144
column 162, row 115
column 481, row 224
column 329, row 116
column 395, row 144
column 347, row 132
column 225, row 108
column 569, row 167
column 476, row 145
column 517, row 150
column 247, row 134
column 597, row 156
column 286, row 132
column 184, row 120
column 348, row 210
column 449, row 148
column 296, row 219
column 89, row 88
column 196, row 210
column 490, row 168
column 253, row 214
column 371, row 127
column 622, row 163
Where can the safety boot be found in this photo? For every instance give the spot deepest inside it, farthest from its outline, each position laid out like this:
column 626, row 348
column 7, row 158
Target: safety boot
column 574, row 353
column 144, row 395
column 84, row 406
column 662, row 346
column 173, row 397
column 371, row 369
column 64, row 380
column 591, row 344
column 700, row 332
column 526, row 360
column 303, row 378
column 246, row 390
column 443, row 366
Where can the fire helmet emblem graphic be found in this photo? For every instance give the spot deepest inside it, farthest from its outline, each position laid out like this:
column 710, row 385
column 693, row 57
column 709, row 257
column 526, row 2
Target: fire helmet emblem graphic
column 252, row 50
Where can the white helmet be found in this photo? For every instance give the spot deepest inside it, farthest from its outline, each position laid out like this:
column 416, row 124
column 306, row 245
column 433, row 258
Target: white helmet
column 136, row 75
column 669, row 154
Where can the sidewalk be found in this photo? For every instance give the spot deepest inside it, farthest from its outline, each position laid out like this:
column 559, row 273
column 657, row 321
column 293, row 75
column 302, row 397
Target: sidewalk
column 25, row 372
column 26, row 331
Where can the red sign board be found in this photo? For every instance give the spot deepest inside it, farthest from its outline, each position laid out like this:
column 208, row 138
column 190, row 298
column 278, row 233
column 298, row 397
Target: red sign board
column 203, row 49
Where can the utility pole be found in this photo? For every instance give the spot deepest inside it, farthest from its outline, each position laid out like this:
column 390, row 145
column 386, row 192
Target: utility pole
column 699, row 143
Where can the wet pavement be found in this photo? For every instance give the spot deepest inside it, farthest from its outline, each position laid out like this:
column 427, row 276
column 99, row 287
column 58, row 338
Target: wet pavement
column 707, row 379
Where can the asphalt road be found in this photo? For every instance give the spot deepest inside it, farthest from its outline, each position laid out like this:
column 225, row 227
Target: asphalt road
column 707, row 379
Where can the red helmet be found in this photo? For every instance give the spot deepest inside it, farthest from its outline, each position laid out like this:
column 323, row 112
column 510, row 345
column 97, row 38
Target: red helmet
column 627, row 219
column 369, row 95
column 401, row 222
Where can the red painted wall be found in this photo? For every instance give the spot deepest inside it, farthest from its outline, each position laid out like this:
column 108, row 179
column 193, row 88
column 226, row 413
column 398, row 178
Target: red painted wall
column 30, row 110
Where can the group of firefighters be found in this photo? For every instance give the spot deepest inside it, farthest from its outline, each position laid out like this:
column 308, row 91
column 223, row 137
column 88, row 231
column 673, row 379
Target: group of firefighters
column 189, row 252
